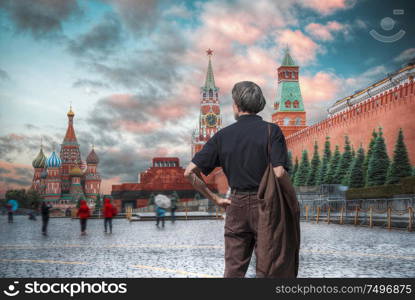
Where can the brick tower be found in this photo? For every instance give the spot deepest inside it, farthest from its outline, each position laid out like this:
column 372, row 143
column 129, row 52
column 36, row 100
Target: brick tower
column 210, row 120
column 289, row 111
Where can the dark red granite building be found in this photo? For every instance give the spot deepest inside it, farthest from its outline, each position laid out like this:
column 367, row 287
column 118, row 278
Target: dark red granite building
column 165, row 176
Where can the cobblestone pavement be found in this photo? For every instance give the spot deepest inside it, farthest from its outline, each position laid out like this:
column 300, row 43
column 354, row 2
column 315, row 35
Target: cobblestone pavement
column 189, row 249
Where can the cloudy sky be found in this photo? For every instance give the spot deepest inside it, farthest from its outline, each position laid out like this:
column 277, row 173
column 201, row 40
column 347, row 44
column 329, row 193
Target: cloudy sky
column 132, row 69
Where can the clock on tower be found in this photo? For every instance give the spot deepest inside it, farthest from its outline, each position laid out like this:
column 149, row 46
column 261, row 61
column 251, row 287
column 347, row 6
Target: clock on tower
column 211, row 120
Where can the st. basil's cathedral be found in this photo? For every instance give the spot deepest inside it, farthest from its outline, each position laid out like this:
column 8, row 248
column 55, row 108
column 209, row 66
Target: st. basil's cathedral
column 65, row 178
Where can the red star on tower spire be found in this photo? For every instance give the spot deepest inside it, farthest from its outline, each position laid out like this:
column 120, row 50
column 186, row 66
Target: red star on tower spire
column 209, row 52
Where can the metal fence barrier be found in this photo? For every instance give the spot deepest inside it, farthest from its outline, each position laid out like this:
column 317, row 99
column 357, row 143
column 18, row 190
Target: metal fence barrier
column 387, row 213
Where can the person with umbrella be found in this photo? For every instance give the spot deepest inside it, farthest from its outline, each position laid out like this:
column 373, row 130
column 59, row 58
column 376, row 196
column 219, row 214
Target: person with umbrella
column 11, row 206
column 162, row 202
column 44, row 210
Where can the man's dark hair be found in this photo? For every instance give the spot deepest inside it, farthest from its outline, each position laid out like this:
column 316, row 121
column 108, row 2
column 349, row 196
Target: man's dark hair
column 248, row 97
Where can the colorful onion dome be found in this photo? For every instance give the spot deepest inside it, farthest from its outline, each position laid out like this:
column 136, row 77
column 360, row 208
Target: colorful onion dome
column 53, row 161
column 44, row 174
column 40, row 160
column 92, row 157
column 75, row 171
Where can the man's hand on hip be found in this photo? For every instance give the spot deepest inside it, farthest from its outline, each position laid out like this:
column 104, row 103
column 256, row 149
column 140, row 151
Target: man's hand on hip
column 222, row 202
column 279, row 171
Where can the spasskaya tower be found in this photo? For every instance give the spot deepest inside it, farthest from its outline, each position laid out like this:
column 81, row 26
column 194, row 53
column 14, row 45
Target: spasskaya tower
column 210, row 120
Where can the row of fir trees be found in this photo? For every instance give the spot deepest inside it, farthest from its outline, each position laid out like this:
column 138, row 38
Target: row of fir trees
column 353, row 168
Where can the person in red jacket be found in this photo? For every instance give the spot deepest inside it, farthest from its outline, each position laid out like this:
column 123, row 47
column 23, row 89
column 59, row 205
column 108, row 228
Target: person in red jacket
column 83, row 214
column 109, row 211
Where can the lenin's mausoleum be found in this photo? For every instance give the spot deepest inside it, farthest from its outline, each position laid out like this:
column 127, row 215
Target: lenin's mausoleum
column 388, row 103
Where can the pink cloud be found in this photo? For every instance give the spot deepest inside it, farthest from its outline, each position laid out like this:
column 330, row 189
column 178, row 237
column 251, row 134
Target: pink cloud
column 106, row 184
column 168, row 111
column 10, row 179
column 320, row 88
column 324, row 32
column 241, row 21
column 303, row 48
column 327, row 7
column 124, row 101
column 234, row 27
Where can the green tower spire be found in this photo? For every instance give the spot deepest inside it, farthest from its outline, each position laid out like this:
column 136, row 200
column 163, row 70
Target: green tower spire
column 288, row 61
column 210, row 79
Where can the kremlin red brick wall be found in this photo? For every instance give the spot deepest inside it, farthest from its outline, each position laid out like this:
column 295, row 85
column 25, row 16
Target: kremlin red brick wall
column 392, row 110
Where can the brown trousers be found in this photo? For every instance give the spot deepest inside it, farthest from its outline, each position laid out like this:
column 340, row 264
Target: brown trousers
column 241, row 224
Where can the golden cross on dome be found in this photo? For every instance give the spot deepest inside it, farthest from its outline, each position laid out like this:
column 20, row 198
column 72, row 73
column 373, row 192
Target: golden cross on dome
column 209, row 52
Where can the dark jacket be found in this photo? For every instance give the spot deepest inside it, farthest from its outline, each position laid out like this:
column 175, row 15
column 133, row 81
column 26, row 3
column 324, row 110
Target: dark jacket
column 278, row 241
column 44, row 210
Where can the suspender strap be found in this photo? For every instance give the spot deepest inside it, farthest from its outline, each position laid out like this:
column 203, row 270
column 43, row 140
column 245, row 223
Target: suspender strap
column 269, row 142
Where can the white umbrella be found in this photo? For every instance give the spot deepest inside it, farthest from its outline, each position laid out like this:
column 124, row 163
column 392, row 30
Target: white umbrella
column 162, row 201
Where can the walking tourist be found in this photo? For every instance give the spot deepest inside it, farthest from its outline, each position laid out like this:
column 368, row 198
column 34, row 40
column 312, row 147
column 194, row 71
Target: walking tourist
column 109, row 211
column 253, row 156
column 9, row 212
column 83, row 214
column 44, row 210
column 161, row 213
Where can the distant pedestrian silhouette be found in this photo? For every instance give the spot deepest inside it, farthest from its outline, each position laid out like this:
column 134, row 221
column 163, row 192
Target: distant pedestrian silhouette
column 9, row 212
column 83, row 214
column 161, row 213
column 44, row 210
column 109, row 211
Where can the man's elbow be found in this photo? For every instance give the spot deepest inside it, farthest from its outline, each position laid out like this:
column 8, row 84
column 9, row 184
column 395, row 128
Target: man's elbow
column 188, row 172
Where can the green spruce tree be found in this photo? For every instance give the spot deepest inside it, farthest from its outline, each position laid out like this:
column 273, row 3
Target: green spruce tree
column 300, row 178
column 334, row 163
column 295, row 169
column 378, row 163
column 345, row 162
column 353, row 153
column 314, row 167
column 355, row 177
column 400, row 166
column 325, row 162
column 369, row 154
